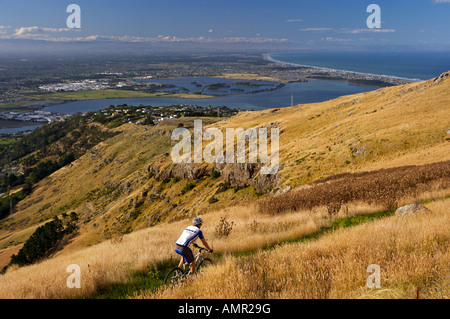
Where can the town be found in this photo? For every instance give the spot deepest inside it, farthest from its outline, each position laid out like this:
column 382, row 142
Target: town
column 84, row 85
column 32, row 116
column 115, row 116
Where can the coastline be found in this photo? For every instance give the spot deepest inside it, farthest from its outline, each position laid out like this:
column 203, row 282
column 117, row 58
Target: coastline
column 268, row 57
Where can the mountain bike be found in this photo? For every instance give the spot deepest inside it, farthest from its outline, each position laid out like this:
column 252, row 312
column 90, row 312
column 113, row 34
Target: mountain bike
column 179, row 275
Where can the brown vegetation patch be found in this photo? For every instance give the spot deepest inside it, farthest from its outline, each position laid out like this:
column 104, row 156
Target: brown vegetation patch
column 384, row 187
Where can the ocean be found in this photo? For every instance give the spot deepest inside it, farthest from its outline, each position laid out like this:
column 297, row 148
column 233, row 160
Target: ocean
column 409, row 65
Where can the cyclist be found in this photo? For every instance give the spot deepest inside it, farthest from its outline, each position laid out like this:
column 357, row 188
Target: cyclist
column 189, row 235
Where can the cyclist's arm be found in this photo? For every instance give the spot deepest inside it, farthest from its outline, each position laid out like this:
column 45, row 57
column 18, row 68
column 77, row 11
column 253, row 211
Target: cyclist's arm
column 205, row 243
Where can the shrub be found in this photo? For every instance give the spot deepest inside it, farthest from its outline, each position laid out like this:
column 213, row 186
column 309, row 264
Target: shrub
column 44, row 240
column 212, row 200
column 224, row 228
column 40, row 243
column 215, row 174
column 223, row 187
column 188, row 187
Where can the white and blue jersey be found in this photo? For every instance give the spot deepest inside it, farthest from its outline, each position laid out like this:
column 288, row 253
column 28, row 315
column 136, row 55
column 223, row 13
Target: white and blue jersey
column 189, row 235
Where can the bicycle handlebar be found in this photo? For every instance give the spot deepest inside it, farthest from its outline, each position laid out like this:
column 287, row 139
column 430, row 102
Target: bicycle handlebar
column 202, row 248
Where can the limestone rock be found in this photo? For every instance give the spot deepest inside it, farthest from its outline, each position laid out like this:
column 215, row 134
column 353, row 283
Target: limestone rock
column 410, row 210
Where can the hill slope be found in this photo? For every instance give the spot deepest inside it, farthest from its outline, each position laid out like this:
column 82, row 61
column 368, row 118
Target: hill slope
column 128, row 182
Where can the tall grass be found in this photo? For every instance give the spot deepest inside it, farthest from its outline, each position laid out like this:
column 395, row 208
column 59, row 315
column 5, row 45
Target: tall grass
column 115, row 264
column 305, row 270
column 411, row 252
column 112, row 263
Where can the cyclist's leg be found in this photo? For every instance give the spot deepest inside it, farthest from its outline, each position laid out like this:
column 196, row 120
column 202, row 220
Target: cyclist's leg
column 193, row 266
column 183, row 257
column 187, row 255
column 181, row 262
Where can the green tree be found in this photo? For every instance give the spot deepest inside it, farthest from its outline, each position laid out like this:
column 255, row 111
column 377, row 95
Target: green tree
column 44, row 240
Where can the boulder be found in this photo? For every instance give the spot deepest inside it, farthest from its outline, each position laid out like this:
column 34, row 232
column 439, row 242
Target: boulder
column 410, row 210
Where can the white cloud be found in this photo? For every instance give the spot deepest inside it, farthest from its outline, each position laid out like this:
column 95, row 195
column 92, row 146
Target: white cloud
column 210, row 30
column 3, row 29
column 355, row 31
column 294, row 20
column 51, row 34
column 331, row 39
column 317, row 29
column 36, row 32
column 27, row 30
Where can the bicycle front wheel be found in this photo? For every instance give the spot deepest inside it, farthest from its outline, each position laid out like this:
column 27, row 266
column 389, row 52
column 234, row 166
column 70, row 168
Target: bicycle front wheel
column 204, row 263
column 174, row 277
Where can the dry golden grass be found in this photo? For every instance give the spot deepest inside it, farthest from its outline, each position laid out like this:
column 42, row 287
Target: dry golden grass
column 100, row 265
column 411, row 252
column 108, row 262
column 5, row 254
column 113, row 261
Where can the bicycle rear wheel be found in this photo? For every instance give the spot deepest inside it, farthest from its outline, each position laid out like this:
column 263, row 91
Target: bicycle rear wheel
column 204, row 263
column 174, row 277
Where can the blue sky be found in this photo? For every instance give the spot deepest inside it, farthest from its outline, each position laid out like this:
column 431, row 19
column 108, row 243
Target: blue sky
column 422, row 24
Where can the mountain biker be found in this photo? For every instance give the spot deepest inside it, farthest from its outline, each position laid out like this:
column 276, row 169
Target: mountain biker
column 189, row 235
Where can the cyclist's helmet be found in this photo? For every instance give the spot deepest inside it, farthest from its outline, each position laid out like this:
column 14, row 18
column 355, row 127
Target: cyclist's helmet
column 197, row 221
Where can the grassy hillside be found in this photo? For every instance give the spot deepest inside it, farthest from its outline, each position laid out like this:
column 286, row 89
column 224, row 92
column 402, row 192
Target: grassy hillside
column 302, row 254
column 115, row 188
column 411, row 252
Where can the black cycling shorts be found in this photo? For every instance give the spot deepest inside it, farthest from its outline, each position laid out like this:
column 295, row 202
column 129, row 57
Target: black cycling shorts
column 186, row 252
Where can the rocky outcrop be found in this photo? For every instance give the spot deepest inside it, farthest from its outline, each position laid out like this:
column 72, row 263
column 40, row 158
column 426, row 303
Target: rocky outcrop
column 182, row 171
column 442, row 77
column 235, row 174
column 248, row 174
column 410, row 210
